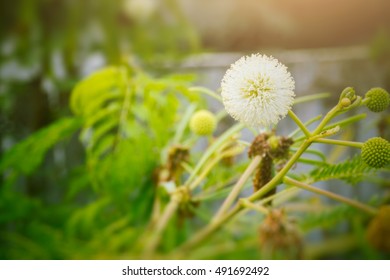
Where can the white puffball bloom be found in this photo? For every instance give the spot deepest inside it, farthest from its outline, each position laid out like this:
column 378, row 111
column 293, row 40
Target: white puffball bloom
column 258, row 90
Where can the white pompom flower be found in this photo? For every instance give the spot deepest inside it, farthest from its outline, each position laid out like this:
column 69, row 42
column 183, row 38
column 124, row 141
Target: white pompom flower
column 258, row 90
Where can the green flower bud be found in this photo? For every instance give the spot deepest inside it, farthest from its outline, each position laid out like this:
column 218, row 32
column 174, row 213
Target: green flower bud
column 273, row 142
column 378, row 99
column 348, row 93
column 203, row 122
column 376, row 152
column 345, row 102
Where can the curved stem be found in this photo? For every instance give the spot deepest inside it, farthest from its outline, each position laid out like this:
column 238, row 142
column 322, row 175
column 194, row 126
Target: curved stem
column 217, row 223
column 249, row 205
column 346, row 121
column 339, row 142
column 183, row 124
column 332, row 113
column 311, row 97
column 170, row 209
column 368, row 209
column 206, row 91
column 279, row 176
column 299, row 123
column 309, row 122
column 209, row 166
column 209, row 229
column 237, row 188
column 224, row 137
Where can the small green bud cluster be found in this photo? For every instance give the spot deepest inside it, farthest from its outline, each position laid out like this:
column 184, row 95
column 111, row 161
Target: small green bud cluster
column 348, row 93
column 376, row 152
column 349, row 99
column 378, row 99
column 203, row 122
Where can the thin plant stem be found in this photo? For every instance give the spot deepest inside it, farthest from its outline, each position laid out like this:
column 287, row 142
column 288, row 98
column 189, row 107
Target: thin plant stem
column 346, row 121
column 299, row 123
column 169, row 210
column 224, row 137
column 231, row 152
column 311, row 97
column 309, row 122
column 238, row 187
column 223, row 218
column 313, row 152
column 208, row 230
column 217, row 223
column 311, row 161
column 339, row 142
column 368, row 209
column 279, row 176
column 183, row 124
column 332, row 113
column 259, row 208
column 207, row 92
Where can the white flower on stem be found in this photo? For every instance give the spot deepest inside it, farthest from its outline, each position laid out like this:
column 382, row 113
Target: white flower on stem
column 258, row 90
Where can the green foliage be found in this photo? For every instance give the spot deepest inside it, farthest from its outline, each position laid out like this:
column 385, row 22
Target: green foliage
column 328, row 218
column 27, row 155
column 351, row 170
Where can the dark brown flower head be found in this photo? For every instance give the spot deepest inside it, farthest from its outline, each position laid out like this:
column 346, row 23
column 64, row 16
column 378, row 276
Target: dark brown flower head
column 176, row 156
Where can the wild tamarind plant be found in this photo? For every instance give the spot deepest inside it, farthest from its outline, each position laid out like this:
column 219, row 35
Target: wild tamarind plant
column 163, row 178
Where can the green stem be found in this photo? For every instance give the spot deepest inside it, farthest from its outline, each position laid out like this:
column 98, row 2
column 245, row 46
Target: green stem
column 212, row 149
column 311, row 97
column 333, row 112
column 206, row 91
column 299, row 123
column 339, row 142
column 368, row 209
column 309, row 122
column 209, row 229
column 217, row 223
column 183, row 124
column 237, row 188
column 259, row 208
column 231, row 152
column 279, row 176
column 346, row 121
column 311, row 161
column 313, row 152
column 169, row 210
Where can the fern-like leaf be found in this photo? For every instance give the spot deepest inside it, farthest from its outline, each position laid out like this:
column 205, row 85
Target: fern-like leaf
column 28, row 154
column 116, row 105
column 351, row 170
column 329, row 218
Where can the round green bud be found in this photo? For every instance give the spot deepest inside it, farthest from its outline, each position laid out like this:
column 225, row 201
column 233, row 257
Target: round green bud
column 203, row 122
column 273, row 142
column 378, row 99
column 345, row 102
column 348, row 93
column 376, row 152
